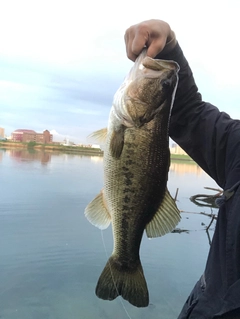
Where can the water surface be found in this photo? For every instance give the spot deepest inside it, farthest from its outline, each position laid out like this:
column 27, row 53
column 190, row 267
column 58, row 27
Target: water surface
column 51, row 256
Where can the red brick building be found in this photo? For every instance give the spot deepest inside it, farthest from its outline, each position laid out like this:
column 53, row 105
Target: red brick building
column 23, row 135
column 2, row 132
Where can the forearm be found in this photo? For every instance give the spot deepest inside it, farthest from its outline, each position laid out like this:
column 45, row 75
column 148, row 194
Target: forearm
column 209, row 136
column 198, row 127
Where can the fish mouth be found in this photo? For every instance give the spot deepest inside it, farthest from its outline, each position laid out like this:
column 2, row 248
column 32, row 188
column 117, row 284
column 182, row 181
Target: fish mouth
column 144, row 90
column 155, row 68
column 159, row 65
column 148, row 66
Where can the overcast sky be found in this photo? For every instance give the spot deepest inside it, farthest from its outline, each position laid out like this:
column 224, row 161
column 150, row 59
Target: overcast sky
column 62, row 61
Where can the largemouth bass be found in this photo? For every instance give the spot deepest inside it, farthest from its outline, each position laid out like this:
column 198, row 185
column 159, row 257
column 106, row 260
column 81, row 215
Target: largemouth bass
column 136, row 163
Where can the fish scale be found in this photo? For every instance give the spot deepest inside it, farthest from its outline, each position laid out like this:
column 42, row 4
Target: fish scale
column 136, row 163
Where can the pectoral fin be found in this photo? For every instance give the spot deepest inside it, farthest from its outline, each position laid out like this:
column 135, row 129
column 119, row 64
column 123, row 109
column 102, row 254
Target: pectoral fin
column 117, row 142
column 97, row 213
column 165, row 219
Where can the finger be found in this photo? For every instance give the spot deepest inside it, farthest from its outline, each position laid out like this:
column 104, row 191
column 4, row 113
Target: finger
column 128, row 43
column 131, row 56
column 135, row 40
column 139, row 42
column 155, row 47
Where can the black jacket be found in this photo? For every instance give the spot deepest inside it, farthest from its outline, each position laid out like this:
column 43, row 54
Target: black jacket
column 212, row 139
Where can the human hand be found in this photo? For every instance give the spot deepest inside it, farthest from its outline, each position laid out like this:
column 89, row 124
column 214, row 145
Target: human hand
column 153, row 34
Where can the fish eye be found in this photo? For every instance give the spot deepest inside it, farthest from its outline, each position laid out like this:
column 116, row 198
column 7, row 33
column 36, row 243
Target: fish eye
column 166, row 87
column 166, row 83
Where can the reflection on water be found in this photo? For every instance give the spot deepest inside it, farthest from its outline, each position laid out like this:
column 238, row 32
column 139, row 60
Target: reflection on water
column 43, row 156
column 51, row 256
column 96, row 159
column 29, row 155
column 183, row 168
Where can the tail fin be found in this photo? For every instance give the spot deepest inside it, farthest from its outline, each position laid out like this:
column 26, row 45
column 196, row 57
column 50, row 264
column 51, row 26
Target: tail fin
column 129, row 283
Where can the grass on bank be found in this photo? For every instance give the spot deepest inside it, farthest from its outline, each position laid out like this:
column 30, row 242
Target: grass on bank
column 50, row 147
column 181, row 157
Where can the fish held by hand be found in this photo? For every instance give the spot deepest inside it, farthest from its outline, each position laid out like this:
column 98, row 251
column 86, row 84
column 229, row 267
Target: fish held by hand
column 136, row 164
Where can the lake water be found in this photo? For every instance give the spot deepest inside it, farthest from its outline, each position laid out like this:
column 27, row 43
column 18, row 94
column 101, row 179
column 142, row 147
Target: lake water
column 51, row 256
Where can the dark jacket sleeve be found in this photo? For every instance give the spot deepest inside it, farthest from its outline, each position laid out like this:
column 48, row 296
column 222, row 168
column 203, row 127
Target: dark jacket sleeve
column 209, row 136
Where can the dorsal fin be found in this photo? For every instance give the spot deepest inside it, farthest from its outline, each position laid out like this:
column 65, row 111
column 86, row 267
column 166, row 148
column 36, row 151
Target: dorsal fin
column 99, row 136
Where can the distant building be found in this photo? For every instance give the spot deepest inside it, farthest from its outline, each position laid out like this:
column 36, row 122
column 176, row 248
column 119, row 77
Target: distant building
column 95, row 146
column 23, row 135
column 2, row 132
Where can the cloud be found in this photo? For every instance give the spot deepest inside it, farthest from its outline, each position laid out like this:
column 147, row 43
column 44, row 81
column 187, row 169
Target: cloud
column 84, row 111
column 62, row 73
column 57, row 137
column 54, row 132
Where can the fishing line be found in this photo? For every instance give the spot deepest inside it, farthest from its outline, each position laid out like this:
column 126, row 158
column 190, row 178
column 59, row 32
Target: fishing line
column 113, row 277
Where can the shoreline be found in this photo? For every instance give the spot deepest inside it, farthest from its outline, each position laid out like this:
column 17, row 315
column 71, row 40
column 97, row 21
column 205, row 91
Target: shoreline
column 51, row 148
column 77, row 150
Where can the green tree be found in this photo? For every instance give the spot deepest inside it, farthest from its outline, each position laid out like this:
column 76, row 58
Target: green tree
column 31, row 144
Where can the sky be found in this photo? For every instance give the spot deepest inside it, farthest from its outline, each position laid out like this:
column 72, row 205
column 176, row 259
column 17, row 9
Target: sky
column 62, row 61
